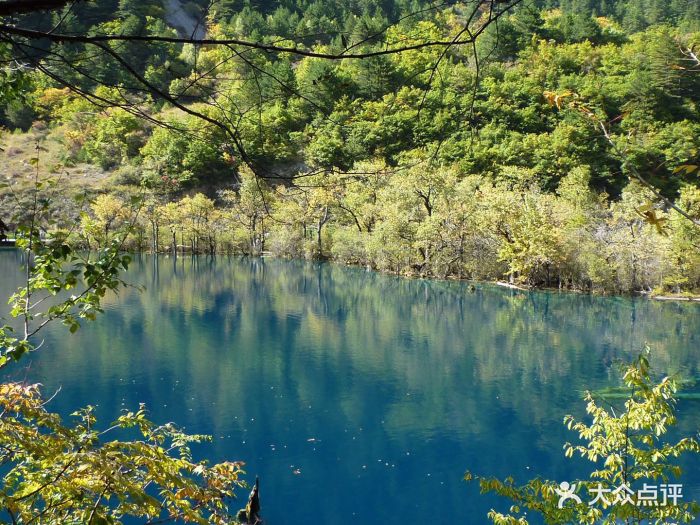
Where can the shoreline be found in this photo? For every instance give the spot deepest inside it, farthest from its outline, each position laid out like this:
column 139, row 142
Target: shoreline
column 651, row 296
column 684, row 298
column 688, row 298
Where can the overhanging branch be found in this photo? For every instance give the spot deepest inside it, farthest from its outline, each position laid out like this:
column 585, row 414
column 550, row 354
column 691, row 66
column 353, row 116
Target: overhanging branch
column 19, row 7
column 271, row 48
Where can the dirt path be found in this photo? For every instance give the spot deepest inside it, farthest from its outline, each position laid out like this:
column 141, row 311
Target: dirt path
column 185, row 23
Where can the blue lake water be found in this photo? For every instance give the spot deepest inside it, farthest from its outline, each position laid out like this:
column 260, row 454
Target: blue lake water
column 358, row 397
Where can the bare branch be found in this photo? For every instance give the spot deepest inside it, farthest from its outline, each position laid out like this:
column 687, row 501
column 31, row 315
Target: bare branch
column 272, row 48
column 18, row 7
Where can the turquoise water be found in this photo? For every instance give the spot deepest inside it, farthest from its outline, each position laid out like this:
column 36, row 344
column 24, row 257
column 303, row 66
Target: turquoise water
column 379, row 391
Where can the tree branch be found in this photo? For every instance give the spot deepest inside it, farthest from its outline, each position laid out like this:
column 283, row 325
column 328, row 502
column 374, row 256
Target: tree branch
column 272, row 48
column 17, row 7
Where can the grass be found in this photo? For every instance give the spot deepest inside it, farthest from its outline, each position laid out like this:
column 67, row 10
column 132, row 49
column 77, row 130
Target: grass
column 19, row 170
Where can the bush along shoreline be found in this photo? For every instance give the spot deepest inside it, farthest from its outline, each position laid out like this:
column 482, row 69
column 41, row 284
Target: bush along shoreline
column 523, row 239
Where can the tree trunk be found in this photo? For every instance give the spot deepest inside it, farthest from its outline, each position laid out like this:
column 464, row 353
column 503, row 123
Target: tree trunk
column 262, row 235
column 321, row 222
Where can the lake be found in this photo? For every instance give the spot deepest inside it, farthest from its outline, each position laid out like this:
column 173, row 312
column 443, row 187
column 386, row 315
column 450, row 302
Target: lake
column 359, row 397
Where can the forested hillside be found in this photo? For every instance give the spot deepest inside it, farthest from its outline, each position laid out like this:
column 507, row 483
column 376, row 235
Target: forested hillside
column 559, row 149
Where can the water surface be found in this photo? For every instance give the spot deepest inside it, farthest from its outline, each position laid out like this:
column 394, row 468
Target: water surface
column 359, row 397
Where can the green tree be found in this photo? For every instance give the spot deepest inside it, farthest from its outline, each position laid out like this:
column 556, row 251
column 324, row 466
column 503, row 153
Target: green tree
column 626, row 445
column 108, row 214
column 685, row 244
column 249, row 207
column 116, row 138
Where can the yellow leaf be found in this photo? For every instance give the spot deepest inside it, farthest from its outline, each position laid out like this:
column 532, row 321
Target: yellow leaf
column 646, row 207
column 688, row 168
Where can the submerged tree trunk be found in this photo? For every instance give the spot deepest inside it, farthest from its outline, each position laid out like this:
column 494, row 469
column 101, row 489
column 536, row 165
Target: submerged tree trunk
column 154, row 236
column 321, row 222
column 262, row 235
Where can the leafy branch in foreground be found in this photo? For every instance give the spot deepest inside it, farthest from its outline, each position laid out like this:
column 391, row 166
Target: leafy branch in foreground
column 54, row 472
column 73, row 474
column 627, row 447
column 53, row 267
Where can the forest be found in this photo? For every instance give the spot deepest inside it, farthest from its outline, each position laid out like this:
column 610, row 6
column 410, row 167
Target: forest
column 559, row 149
column 538, row 144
